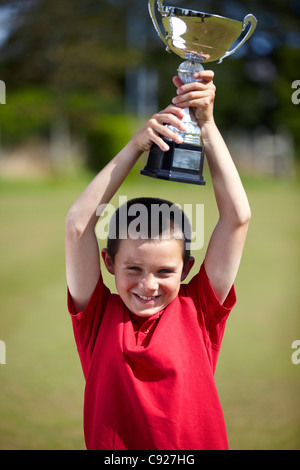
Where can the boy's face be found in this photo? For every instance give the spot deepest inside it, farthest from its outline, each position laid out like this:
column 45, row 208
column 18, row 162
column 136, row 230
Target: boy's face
column 148, row 273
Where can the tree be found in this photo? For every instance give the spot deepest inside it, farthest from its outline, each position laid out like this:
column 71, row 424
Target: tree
column 66, row 45
column 81, row 50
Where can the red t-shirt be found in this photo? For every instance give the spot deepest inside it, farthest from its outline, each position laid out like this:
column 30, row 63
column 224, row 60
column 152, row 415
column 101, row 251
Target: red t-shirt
column 151, row 385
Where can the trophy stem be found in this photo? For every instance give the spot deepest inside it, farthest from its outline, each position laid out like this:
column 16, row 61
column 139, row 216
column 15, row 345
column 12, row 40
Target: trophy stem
column 182, row 162
column 192, row 133
column 186, row 71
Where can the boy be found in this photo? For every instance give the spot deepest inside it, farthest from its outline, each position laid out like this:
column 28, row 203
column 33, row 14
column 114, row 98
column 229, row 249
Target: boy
column 149, row 353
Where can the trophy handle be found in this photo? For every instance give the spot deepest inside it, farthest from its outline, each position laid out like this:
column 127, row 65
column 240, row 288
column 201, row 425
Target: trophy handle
column 154, row 19
column 253, row 22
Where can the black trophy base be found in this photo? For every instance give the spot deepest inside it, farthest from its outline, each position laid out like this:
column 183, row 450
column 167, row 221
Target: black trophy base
column 182, row 163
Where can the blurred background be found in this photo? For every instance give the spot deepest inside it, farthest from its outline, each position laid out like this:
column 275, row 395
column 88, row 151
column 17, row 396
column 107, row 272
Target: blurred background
column 79, row 78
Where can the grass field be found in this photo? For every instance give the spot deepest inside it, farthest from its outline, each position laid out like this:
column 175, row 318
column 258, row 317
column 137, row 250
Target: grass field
column 41, row 384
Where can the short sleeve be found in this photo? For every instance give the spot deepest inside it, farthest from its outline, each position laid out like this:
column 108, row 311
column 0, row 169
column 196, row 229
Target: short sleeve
column 86, row 324
column 212, row 314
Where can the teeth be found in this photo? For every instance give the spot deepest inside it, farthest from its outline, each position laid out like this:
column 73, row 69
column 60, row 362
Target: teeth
column 146, row 298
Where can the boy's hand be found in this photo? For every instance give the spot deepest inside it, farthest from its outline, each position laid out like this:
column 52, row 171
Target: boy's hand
column 198, row 95
column 156, row 128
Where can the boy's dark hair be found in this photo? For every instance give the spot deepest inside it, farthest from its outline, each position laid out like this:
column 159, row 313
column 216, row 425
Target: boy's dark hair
column 148, row 218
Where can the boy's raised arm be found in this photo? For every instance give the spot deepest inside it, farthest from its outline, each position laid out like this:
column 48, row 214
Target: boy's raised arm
column 81, row 247
column 226, row 244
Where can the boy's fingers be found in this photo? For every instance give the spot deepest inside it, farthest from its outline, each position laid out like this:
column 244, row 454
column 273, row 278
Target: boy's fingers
column 191, row 98
column 195, row 87
column 158, row 139
column 199, row 103
column 177, row 81
column 172, row 110
column 158, row 126
column 160, row 143
column 164, row 131
column 205, row 75
column 175, row 121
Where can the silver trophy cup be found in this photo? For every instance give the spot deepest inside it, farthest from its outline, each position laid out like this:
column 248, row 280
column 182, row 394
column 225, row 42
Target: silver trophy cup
column 196, row 37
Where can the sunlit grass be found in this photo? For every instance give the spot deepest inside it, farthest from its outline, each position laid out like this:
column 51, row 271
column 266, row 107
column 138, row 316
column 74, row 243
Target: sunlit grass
column 42, row 384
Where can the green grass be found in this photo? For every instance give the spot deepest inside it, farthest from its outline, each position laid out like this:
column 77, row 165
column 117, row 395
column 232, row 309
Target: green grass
column 41, row 385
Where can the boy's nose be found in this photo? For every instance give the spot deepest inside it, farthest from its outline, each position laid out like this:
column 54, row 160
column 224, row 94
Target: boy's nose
column 150, row 282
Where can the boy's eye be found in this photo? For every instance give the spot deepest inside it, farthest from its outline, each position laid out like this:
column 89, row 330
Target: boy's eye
column 134, row 268
column 165, row 271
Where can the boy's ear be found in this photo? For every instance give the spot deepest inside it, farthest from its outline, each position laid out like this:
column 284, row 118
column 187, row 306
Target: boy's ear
column 187, row 267
column 108, row 261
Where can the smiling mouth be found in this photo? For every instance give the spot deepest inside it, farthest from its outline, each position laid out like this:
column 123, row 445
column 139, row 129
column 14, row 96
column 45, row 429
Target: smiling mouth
column 146, row 298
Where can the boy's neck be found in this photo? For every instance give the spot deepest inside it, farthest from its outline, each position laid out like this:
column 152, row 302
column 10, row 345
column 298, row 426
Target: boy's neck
column 139, row 320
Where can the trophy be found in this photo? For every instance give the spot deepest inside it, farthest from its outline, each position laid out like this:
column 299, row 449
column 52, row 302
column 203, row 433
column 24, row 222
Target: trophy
column 198, row 38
